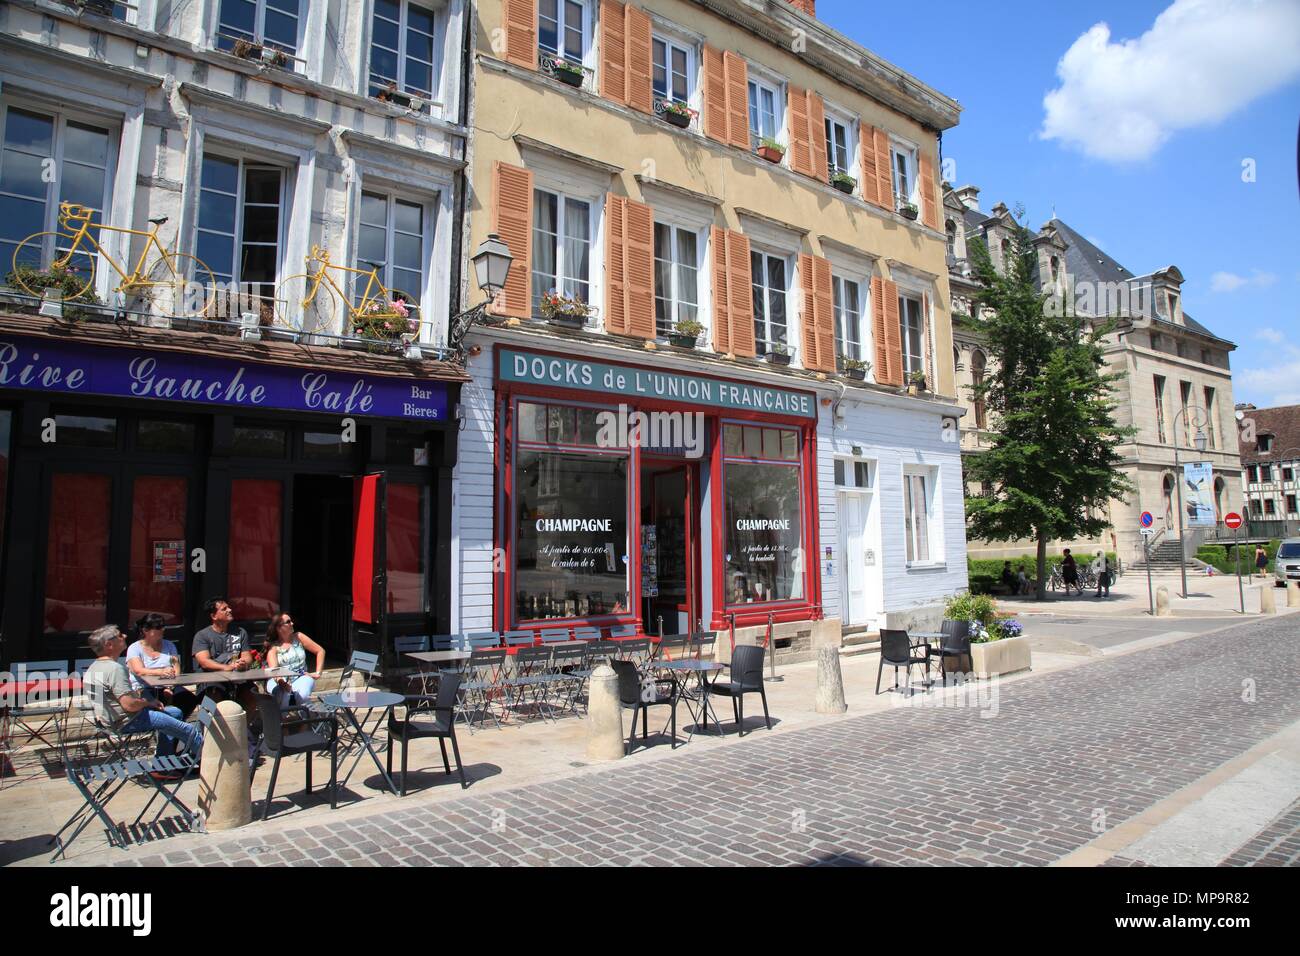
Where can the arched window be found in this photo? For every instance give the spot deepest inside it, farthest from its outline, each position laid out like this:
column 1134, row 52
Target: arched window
column 977, row 366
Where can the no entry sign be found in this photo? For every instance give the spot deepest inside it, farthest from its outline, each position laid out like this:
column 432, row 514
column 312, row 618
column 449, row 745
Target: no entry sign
column 1232, row 520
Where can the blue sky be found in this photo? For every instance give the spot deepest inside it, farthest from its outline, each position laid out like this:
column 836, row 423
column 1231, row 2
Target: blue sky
column 1152, row 128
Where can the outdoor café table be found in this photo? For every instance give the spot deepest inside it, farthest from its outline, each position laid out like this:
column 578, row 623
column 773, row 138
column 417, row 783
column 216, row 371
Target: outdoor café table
column 208, row 678
column 681, row 672
column 436, row 657
column 368, row 700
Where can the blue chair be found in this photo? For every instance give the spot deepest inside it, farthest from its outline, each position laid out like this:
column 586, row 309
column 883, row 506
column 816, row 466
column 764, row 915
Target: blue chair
column 481, row 640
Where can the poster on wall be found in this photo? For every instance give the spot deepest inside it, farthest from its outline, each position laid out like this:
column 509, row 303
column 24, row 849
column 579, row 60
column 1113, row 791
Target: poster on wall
column 168, row 562
column 1198, row 494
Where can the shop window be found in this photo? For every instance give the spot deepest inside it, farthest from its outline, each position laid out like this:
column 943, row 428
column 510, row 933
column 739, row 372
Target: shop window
column 241, row 207
column 764, row 536
column 406, row 538
column 257, row 441
column 47, row 159
column 391, row 241
column 76, row 554
column 677, row 267
column 402, row 447
column 847, row 297
column 165, row 437
column 275, row 24
column 557, row 424
column 912, row 325
column 571, row 544
column 769, row 277
column 256, row 523
column 326, row 446
column 405, row 49
column 918, row 509
column 158, row 555
column 85, row 431
column 561, row 247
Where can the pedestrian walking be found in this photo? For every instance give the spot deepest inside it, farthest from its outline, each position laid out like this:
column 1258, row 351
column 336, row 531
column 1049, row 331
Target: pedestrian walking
column 1102, row 567
column 1261, row 560
column 1070, row 572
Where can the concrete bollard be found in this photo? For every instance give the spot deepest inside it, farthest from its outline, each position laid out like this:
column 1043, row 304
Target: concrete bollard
column 830, row 682
column 225, row 791
column 1293, row 594
column 1162, row 602
column 604, row 716
column 1267, row 599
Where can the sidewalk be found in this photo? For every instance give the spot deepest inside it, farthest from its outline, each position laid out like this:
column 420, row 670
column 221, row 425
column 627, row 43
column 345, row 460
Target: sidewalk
column 1207, row 596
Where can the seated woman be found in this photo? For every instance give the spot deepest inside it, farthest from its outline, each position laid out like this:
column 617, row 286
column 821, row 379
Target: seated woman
column 152, row 656
column 287, row 647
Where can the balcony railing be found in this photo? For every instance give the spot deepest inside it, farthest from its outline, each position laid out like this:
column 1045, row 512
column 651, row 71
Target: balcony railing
column 265, row 53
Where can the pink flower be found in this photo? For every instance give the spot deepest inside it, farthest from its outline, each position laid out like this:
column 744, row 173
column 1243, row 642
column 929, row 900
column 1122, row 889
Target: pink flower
column 399, row 306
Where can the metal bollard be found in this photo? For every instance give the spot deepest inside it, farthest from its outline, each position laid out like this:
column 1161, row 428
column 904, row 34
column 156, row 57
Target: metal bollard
column 225, row 791
column 604, row 716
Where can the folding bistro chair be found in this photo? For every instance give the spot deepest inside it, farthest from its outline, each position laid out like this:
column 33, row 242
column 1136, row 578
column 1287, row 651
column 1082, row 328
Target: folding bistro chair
column 586, row 634
column 415, row 676
column 519, row 638
column 48, row 703
column 569, row 672
column 558, row 635
column 480, row 640
column 675, row 647
column 483, row 672
column 445, row 642
column 637, row 651
column 619, row 631
column 530, row 683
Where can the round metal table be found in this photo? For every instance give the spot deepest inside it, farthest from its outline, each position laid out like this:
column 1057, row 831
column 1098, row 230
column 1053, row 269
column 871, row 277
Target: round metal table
column 351, row 701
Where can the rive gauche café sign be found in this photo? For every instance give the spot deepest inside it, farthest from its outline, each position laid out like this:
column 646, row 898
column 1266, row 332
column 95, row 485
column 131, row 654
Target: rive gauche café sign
column 531, row 369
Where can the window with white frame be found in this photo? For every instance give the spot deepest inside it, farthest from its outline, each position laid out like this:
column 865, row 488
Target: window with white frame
column 912, row 328
column 764, row 110
column 852, row 473
column 677, row 270
column 904, row 162
column 48, row 158
column 673, row 75
column 405, row 49
column 391, row 240
column 273, row 24
column 918, row 511
column 771, row 283
column 241, row 222
column 840, row 144
column 564, row 28
column 849, row 339
column 562, row 236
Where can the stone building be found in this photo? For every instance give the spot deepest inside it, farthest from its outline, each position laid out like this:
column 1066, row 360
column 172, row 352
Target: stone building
column 1177, row 381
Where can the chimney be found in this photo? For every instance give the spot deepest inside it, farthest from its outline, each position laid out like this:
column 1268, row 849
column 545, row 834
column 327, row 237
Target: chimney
column 807, row 6
column 969, row 196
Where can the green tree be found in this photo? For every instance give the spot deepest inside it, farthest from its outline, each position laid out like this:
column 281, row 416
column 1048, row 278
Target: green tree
column 1052, row 466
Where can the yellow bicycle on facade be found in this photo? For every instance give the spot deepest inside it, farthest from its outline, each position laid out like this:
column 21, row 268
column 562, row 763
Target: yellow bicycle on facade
column 170, row 283
column 315, row 296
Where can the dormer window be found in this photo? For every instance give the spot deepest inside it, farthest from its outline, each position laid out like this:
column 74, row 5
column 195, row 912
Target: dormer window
column 1264, row 444
column 1172, row 300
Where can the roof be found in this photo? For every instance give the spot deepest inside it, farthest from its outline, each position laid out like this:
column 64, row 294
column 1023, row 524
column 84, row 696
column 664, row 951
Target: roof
column 1283, row 423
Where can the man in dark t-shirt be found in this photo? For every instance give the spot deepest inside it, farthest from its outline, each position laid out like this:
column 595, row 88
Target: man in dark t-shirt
column 221, row 646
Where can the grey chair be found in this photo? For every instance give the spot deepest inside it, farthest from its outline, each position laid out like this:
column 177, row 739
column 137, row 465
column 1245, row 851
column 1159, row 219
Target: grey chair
column 746, row 678
column 303, row 735
column 519, row 638
column 480, row 640
column 483, row 685
column 896, row 651
column 954, row 644
column 633, row 695
column 529, row 685
column 47, row 711
column 428, row 717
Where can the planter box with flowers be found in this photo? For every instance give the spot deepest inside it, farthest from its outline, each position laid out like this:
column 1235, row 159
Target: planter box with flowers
column 778, row 355
column 770, row 150
column 391, row 94
column 908, row 211
column 855, row 369
column 685, row 334
column 844, row 183
column 247, row 50
column 565, row 312
column 675, row 113
column 915, row 383
column 566, row 71
column 998, row 643
column 380, row 323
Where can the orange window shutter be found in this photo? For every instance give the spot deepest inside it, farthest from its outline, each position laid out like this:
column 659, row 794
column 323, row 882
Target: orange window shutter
column 737, row 80
column 893, row 334
column 817, row 126
column 715, row 95
column 925, row 338
column 824, row 314
column 613, row 51
column 615, row 264
column 929, row 203
column 639, row 90
column 639, row 269
column 521, row 32
column 800, row 137
column 512, row 220
column 867, row 160
column 811, row 356
column 741, row 295
column 721, row 298
column 884, row 171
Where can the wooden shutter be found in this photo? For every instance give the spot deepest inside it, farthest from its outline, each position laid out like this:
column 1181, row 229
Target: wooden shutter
column 870, row 182
column 733, row 296
column 512, row 220
column 613, row 51
column 817, row 126
column 884, row 168
column 929, row 204
column 926, row 346
column 886, row 332
column 800, row 144
column 737, row 82
column 640, row 94
column 521, row 32
column 629, row 267
column 715, row 95
column 817, row 321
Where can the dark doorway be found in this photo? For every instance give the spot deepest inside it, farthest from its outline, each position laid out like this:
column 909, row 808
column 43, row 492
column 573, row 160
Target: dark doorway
column 321, row 560
column 669, row 556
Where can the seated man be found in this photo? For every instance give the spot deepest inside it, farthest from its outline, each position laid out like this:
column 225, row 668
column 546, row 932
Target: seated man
column 1008, row 579
column 223, row 646
column 125, row 711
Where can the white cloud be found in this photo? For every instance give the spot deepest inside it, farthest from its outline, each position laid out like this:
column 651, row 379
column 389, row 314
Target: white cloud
column 1201, row 61
column 1271, row 385
column 1231, row 282
column 1271, row 335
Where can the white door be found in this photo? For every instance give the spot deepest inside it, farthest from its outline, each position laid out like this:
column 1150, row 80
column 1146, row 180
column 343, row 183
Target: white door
column 853, row 543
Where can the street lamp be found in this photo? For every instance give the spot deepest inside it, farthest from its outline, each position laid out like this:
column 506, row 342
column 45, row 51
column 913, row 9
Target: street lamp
column 491, row 262
column 1199, row 421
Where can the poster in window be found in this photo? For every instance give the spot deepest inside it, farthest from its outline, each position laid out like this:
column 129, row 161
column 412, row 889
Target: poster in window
column 168, row 561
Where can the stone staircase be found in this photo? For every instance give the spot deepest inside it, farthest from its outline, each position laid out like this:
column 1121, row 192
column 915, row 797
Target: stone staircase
column 1166, row 556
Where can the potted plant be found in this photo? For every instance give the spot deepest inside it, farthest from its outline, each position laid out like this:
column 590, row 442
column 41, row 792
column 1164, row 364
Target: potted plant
column 998, row 644
column 856, row 369
column 908, row 210
column 567, row 312
column 247, row 49
column 276, row 57
column 28, row 280
column 778, row 354
column 844, row 182
column 391, row 94
column 685, row 334
column 915, row 382
column 676, row 113
column 770, row 150
column 386, row 323
column 566, row 72
column 104, row 7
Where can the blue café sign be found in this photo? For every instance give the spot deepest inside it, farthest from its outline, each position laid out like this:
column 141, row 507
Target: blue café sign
column 74, row 368
column 561, row 372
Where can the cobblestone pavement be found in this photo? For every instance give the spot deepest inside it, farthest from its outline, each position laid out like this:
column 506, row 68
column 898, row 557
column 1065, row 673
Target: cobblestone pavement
column 1278, row 844
column 1023, row 782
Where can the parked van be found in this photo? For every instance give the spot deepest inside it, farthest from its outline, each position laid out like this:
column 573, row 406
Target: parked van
column 1286, row 566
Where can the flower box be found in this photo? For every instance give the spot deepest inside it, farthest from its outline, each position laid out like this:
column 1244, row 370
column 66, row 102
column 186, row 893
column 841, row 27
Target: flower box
column 569, row 75
column 770, row 153
column 102, row 7
column 682, row 340
column 1007, row 656
column 680, row 120
column 857, row 374
column 567, row 320
column 247, row 50
column 845, row 184
column 778, row 358
column 908, row 211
